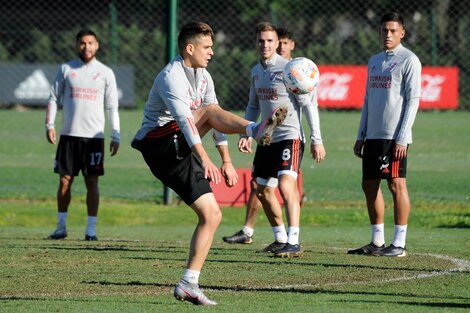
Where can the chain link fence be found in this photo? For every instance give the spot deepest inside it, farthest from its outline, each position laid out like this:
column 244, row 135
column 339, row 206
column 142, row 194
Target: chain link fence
column 133, row 35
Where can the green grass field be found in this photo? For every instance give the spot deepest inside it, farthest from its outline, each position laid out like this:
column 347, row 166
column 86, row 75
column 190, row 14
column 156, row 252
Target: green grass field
column 143, row 244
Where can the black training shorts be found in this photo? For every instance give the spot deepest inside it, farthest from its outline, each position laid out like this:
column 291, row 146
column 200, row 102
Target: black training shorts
column 278, row 158
column 378, row 162
column 170, row 159
column 78, row 153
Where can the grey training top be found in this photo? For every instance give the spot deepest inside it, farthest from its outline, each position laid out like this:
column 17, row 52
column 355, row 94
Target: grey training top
column 85, row 91
column 176, row 91
column 392, row 96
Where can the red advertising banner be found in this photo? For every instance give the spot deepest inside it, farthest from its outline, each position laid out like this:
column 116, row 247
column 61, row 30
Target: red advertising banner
column 237, row 196
column 343, row 87
column 439, row 88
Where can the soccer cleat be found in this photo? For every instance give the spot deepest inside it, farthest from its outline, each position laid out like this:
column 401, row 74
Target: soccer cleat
column 59, row 233
column 290, row 251
column 272, row 248
column 185, row 291
column 367, row 249
column 391, row 251
column 263, row 132
column 238, row 237
column 90, row 238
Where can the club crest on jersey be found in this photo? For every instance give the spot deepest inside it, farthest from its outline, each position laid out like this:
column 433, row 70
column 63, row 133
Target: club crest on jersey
column 96, row 76
column 275, row 76
column 392, row 66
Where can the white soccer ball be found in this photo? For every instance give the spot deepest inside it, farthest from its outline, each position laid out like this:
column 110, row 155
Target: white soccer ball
column 301, row 76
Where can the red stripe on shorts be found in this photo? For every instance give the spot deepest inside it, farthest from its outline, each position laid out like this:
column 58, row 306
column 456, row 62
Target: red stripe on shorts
column 395, row 168
column 164, row 130
column 295, row 154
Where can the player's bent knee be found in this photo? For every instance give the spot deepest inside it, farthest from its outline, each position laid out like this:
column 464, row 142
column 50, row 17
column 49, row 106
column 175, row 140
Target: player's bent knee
column 212, row 218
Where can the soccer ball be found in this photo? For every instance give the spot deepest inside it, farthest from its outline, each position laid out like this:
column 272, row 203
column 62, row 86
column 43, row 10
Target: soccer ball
column 301, row 76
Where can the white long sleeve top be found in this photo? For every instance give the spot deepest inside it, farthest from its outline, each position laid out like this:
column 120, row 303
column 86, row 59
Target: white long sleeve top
column 85, row 91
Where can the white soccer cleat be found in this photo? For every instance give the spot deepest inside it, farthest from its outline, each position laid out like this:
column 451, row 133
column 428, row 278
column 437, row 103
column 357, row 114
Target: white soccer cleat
column 185, row 291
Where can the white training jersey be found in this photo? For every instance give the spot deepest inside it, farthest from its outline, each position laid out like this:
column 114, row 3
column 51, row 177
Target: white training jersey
column 392, row 96
column 85, row 91
column 268, row 92
column 176, row 91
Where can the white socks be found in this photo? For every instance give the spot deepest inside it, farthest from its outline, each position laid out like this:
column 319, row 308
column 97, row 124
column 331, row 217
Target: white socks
column 90, row 229
column 191, row 276
column 280, row 234
column 248, row 231
column 61, row 220
column 378, row 235
column 400, row 236
column 91, row 226
column 293, row 235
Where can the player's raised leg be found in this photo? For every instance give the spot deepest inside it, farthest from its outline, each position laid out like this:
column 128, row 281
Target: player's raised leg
column 213, row 116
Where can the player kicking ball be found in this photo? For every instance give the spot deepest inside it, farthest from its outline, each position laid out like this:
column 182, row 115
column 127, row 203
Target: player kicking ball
column 181, row 108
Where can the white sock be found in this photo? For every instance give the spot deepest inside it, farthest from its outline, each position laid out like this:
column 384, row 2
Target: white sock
column 248, row 231
column 280, row 234
column 61, row 219
column 191, row 276
column 400, row 236
column 90, row 229
column 378, row 234
column 249, row 129
column 293, row 235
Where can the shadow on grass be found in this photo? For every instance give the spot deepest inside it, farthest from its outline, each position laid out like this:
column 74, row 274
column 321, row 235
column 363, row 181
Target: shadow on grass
column 461, row 224
column 296, row 290
column 123, row 249
column 162, row 254
column 455, row 220
column 87, row 300
column 282, row 262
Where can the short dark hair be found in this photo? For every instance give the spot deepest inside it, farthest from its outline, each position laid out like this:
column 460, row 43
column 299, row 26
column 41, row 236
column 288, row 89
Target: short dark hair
column 85, row 32
column 283, row 32
column 192, row 30
column 392, row 17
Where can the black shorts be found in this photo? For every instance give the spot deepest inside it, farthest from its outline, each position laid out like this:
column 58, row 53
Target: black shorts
column 77, row 153
column 278, row 158
column 378, row 163
column 167, row 154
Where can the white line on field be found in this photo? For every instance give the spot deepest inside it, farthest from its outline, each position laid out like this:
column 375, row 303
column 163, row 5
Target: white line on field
column 460, row 266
